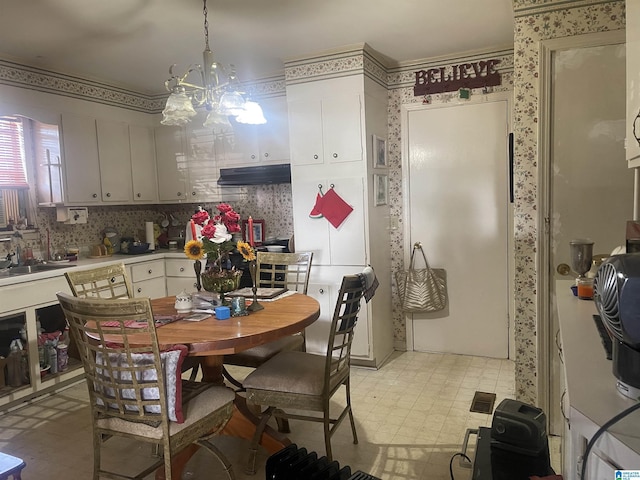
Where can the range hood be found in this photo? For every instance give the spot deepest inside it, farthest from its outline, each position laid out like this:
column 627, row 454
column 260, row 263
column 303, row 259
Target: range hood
column 260, row 175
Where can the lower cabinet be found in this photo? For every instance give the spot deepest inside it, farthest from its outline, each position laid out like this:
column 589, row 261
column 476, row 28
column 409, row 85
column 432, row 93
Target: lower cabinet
column 29, row 330
column 180, row 275
column 148, row 279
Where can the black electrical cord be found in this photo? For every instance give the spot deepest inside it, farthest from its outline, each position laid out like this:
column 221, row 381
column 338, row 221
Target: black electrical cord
column 600, row 431
column 451, row 462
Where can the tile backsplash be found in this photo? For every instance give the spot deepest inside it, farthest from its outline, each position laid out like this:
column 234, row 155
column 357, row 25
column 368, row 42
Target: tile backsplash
column 271, row 203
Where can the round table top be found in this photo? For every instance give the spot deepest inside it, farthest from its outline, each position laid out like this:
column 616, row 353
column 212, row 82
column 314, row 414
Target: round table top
column 279, row 318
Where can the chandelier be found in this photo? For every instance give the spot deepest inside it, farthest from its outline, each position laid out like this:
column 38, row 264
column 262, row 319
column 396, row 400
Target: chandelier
column 219, row 92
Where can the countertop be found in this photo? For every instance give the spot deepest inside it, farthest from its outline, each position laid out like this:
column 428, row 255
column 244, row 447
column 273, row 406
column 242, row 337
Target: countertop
column 591, row 385
column 84, row 263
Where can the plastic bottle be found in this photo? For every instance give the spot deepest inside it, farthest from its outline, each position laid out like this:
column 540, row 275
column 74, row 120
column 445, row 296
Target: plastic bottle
column 14, row 367
column 53, row 359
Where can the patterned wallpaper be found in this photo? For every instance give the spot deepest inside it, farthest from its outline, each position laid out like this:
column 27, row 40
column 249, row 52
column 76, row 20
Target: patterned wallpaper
column 535, row 20
column 271, row 203
column 573, row 18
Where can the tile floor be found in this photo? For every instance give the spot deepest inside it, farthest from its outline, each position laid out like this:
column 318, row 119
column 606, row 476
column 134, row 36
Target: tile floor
column 411, row 417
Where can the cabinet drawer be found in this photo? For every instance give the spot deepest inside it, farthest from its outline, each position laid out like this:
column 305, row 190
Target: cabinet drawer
column 152, row 288
column 180, row 268
column 175, row 285
column 147, row 270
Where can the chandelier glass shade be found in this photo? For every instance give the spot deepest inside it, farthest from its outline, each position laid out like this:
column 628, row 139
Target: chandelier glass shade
column 218, row 90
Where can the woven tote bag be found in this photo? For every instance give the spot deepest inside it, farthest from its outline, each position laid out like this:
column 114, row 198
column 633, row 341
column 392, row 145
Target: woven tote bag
column 422, row 289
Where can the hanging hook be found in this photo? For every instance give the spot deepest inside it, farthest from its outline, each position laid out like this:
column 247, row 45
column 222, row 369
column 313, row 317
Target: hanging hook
column 331, row 186
column 320, row 188
column 417, row 245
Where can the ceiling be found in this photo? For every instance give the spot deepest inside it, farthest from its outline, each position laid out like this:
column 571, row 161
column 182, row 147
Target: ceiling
column 132, row 43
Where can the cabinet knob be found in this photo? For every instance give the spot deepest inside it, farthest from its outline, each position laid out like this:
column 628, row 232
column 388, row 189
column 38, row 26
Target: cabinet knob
column 95, row 195
column 321, row 291
column 335, row 155
column 253, row 157
column 138, row 195
column 179, row 194
column 266, row 155
column 150, row 272
column 315, row 157
column 113, row 280
column 182, row 269
column 108, row 194
column 193, row 194
column 139, row 290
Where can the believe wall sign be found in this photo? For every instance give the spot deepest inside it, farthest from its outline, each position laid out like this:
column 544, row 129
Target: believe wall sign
column 449, row 79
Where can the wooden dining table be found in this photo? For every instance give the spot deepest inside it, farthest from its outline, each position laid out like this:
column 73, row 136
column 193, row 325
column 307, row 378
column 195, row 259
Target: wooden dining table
column 212, row 339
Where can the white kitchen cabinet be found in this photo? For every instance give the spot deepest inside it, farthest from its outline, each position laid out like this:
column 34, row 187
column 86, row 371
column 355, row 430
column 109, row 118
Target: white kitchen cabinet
column 326, row 130
column 148, row 279
column 263, row 144
column 114, row 157
column 345, row 245
column 331, row 123
column 202, row 168
column 143, row 164
column 81, row 161
column 24, row 305
column 180, row 275
column 171, row 162
column 592, row 400
column 633, row 83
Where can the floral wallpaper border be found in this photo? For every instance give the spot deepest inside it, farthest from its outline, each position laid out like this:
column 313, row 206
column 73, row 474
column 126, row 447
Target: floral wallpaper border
column 33, row 78
column 531, row 7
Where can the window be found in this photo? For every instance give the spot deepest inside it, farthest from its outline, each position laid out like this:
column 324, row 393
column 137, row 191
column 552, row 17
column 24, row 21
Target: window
column 13, row 172
column 30, row 168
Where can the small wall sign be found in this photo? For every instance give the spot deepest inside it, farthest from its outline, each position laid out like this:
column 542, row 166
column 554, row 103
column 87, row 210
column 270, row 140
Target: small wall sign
column 452, row 78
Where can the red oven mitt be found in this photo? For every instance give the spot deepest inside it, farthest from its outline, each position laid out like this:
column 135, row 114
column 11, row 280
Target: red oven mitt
column 315, row 211
column 333, row 208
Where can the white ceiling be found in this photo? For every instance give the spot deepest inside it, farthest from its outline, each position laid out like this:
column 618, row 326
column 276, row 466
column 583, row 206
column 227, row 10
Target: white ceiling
column 133, row 42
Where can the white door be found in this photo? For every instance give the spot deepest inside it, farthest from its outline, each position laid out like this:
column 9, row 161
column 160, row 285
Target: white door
column 458, row 208
column 590, row 191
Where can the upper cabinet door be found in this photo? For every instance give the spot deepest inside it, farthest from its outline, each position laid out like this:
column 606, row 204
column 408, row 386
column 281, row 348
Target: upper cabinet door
column 305, row 132
column 273, row 136
column 342, row 128
column 81, row 163
column 633, row 83
column 171, row 164
column 115, row 161
column 143, row 164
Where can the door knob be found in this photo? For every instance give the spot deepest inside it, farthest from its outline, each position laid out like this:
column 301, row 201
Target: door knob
column 563, row 269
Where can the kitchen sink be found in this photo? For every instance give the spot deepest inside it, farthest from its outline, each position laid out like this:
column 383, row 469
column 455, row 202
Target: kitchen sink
column 39, row 267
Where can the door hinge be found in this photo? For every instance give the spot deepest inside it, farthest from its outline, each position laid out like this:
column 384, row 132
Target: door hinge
column 547, row 225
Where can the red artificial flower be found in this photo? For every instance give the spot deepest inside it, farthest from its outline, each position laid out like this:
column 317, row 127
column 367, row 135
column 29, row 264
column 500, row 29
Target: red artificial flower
column 224, row 208
column 200, row 217
column 209, row 230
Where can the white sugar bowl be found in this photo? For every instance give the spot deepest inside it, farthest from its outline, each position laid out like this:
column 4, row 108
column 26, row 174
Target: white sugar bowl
column 184, row 303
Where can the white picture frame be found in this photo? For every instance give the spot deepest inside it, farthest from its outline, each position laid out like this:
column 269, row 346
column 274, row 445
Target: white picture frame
column 381, row 189
column 379, row 152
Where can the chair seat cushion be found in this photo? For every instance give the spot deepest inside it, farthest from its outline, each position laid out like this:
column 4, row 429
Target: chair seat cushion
column 289, row 372
column 213, row 401
column 256, row 356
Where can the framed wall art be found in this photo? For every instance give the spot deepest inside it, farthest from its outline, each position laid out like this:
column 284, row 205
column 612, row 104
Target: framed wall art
column 381, row 189
column 379, row 152
column 258, row 232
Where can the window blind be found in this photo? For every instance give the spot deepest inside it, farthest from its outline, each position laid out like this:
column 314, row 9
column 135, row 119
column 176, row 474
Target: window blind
column 12, row 157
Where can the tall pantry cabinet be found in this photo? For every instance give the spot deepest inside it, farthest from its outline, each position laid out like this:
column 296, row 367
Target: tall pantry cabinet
column 331, row 126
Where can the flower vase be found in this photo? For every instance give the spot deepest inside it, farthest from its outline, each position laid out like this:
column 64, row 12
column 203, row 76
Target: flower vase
column 255, row 306
column 197, row 267
column 221, row 282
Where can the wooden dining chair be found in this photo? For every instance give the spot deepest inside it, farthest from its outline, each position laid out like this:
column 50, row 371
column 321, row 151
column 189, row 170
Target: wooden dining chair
column 275, row 270
column 106, row 281
column 306, row 382
column 135, row 389
column 109, row 282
